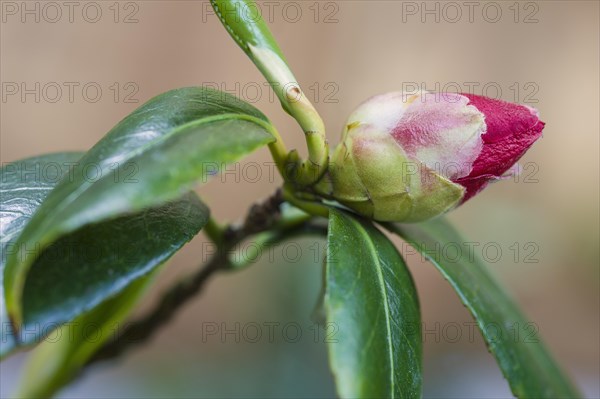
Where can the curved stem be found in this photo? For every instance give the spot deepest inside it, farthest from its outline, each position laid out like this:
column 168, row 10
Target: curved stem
column 251, row 33
column 296, row 104
column 278, row 152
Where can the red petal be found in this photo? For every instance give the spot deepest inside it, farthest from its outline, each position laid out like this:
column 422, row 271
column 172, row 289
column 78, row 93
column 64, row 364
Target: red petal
column 511, row 130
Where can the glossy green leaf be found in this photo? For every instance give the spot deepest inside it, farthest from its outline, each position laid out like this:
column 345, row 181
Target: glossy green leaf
column 154, row 155
column 85, row 267
column 371, row 299
column 67, row 349
column 23, row 187
column 523, row 358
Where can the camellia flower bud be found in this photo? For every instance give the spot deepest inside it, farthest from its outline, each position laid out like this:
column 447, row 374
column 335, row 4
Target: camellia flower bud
column 411, row 157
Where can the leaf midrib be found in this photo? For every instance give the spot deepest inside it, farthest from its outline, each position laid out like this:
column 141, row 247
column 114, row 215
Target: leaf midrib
column 377, row 264
column 134, row 153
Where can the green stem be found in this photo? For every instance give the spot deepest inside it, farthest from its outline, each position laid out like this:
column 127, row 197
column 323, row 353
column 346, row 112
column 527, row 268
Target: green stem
column 268, row 216
column 314, row 208
column 246, row 26
column 214, row 231
column 308, row 172
column 278, row 152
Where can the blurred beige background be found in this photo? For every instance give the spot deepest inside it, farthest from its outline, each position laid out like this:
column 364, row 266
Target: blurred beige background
column 542, row 53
